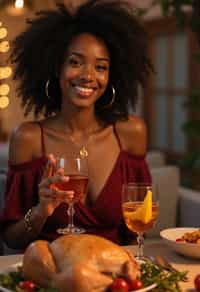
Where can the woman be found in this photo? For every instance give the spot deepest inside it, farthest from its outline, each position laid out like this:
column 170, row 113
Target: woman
column 82, row 70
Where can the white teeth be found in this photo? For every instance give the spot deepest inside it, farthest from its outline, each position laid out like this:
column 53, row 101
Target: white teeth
column 84, row 90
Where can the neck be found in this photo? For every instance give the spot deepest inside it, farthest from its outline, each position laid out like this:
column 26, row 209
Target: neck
column 79, row 121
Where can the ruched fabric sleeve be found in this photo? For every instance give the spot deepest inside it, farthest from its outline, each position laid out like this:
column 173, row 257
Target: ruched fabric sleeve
column 21, row 191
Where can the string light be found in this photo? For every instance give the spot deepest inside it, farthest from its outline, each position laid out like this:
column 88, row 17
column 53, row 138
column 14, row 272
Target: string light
column 4, row 102
column 4, row 46
column 4, row 89
column 5, row 71
column 17, row 8
column 19, row 4
column 3, row 32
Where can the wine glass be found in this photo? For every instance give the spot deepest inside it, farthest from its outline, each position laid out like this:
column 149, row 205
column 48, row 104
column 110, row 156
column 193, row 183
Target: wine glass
column 140, row 210
column 77, row 170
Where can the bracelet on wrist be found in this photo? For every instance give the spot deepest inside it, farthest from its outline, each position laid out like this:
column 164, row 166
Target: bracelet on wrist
column 27, row 220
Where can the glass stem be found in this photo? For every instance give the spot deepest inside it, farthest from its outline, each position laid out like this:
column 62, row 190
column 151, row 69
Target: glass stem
column 140, row 241
column 70, row 212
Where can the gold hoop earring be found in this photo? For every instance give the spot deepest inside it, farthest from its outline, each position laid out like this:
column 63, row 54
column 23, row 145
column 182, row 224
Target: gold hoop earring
column 47, row 89
column 112, row 99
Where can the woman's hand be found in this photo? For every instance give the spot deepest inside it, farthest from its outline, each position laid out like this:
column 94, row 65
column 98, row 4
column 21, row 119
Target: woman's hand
column 50, row 196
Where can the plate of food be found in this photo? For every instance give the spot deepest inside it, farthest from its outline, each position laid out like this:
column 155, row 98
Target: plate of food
column 83, row 263
column 184, row 240
column 13, row 280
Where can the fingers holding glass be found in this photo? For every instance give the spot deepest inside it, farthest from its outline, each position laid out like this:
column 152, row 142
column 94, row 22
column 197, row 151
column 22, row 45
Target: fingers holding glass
column 49, row 169
column 50, row 197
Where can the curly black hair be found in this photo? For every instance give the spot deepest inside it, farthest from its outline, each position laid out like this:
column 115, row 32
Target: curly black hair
column 38, row 54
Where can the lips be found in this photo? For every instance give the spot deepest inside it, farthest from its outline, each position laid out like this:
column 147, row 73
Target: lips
column 84, row 91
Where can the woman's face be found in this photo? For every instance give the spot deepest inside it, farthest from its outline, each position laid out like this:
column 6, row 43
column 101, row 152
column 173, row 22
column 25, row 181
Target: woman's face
column 85, row 72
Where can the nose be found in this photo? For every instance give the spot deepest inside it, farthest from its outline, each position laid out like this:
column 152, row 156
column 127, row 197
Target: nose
column 87, row 73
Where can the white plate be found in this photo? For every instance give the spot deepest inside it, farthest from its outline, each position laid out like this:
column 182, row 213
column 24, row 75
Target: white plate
column 14, row 267
column 187, row 249
column 144, row 289
column 6, row 271
column 11, row 268
column 2, row 289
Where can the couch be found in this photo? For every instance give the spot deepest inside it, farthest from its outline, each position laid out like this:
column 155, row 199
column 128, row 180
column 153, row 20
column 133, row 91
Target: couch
column 166, row 180
column 179, row 206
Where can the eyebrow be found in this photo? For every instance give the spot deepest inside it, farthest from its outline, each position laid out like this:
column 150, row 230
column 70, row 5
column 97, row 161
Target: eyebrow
column 98, row 58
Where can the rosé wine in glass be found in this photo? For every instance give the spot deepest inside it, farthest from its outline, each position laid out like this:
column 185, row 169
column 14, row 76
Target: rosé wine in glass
column 77, row 183
column 77, row 170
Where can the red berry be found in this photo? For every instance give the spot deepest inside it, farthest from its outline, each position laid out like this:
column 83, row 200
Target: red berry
column 135, row 284
column 197, row 282
column 28, row 285
column 179, row 240
column 119, row 285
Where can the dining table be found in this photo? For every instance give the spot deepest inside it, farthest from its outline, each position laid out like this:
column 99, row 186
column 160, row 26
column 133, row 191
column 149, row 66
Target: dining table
column 180, row 262
column 192, row 266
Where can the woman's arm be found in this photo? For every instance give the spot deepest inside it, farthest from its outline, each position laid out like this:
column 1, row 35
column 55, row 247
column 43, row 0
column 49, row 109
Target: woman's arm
column 24, row 146
column 18, row 235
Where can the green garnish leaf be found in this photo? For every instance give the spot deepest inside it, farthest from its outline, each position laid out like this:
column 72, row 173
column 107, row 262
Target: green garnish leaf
column 165, row 280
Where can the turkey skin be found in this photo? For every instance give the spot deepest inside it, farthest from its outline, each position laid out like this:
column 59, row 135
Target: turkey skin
column 78, row 263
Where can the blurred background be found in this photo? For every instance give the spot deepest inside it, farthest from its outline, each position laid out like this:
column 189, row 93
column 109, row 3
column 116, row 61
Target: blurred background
column 169, row 103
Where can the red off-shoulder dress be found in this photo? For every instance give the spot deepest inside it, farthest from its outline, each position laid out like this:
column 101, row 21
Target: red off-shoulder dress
column 103, row 218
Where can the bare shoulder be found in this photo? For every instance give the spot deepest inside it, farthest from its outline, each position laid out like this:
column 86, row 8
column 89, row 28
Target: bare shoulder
column 25, row 142
column 132, row 134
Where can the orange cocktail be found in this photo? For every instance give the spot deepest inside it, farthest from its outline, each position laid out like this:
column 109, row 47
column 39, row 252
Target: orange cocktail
column 140, row 210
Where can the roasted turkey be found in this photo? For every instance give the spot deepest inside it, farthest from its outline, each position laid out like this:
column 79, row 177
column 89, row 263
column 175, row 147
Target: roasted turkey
column 78, row 263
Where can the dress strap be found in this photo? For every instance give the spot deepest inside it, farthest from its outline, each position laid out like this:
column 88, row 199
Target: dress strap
column 117, row 137
column 42, row 139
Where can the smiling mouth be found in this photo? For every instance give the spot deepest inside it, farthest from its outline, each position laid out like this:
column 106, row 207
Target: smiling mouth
column 84, row 91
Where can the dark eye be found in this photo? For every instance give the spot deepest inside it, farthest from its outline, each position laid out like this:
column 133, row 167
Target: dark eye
column 74, row 62
column 101, row 68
